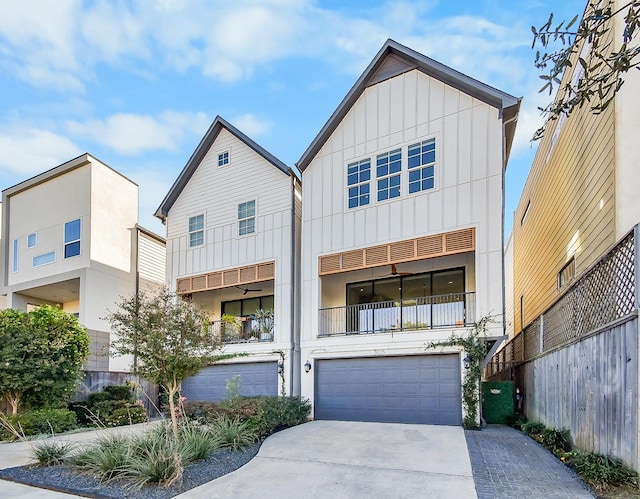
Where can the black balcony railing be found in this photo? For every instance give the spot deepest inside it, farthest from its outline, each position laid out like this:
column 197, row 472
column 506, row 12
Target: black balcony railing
column 243, row 329
column 428, row 312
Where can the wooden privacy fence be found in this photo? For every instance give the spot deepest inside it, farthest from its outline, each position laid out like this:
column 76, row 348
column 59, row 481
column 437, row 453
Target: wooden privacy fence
column 577, row 364
column 604, row 294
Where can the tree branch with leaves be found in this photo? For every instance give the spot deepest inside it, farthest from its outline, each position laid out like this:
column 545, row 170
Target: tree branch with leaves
column 169, row 337
column 602, row 60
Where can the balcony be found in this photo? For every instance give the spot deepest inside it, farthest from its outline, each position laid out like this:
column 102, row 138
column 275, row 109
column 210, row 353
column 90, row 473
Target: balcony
column 243, row 330
column 416, row 314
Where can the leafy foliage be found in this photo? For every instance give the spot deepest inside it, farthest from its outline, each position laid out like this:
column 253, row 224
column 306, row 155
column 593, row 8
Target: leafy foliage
column 38, row 422
column 42, row 355
column 600, row 471
column 602, row 60
column 475, row 348
column 114, row 406
column 168, row 337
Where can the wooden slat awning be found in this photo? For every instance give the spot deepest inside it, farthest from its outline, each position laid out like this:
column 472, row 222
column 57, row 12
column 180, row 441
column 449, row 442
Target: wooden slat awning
column 226, row 278
column 409, row 250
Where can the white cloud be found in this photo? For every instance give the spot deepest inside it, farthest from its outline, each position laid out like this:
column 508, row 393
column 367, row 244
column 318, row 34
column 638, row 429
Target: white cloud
column 251, row 125
column 30, row 151
column 132, row 134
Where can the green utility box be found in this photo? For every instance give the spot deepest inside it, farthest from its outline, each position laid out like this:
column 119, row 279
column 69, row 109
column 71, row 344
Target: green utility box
column 498, row 403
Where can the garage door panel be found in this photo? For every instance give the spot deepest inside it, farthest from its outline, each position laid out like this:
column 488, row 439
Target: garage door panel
column 257, row 378
column 409, row 389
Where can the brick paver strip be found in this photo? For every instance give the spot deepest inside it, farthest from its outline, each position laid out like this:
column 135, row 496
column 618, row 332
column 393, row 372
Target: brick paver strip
column 508, row 464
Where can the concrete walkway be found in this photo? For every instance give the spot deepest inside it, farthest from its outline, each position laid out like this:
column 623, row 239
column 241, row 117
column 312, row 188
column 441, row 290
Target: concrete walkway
column 507, row 464
column 19, row 453
column 340, row 459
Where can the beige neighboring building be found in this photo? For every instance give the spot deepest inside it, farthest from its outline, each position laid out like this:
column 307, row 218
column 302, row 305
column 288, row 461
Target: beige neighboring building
column 71, row 238
column 581, row 195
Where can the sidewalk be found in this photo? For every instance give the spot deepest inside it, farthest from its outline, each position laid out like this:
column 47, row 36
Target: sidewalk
column 507, row 464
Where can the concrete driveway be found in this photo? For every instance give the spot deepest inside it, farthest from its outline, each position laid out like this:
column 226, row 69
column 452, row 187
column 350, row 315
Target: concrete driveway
column 341, row 459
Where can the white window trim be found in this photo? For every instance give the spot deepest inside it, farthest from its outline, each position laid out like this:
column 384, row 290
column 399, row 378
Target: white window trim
column 404, row 173
column 65, row 243
column 35, row 234
column 372, row 183
column 203, row 230
column 15, row 262
column 221, row 152
column 55, row 258
column 438, row 161
column 255, row 218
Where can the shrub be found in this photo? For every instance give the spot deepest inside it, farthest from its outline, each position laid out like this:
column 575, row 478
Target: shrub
column 532, row 428
column 233, row 433
column 556, row 440
column 600, row 471
column 130, row 414
column 50, row 453
column 111, row 407
column 40, row 421
column 119, row 392
column 278, row 413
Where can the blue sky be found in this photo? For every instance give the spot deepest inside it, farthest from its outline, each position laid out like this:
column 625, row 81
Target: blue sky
column 137, row 83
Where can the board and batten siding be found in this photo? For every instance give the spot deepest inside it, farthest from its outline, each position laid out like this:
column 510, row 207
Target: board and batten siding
column 394, row 113
column 571, row 197
column 216, row 192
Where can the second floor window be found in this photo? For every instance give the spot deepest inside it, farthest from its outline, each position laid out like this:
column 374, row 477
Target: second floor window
column 388, row 167
column 196, row 231
column 422, row 160
column 246, row 218
column 223, row 158
column 358, row 182
column 72, row 238
column 32, row 240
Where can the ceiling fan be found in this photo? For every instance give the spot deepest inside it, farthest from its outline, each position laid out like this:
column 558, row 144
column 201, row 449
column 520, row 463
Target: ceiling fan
column 247, row 290
column 394, row 272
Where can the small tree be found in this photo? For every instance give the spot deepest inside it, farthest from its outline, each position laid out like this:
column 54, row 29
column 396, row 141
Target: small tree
column 41, row 355
column 603, row 65
column 168, row 337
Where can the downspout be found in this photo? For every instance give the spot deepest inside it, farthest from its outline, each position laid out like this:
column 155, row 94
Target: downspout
column 292, row 338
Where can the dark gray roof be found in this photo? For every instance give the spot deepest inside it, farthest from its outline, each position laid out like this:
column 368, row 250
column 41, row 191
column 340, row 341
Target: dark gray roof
column 394, row 59
column 198, row 155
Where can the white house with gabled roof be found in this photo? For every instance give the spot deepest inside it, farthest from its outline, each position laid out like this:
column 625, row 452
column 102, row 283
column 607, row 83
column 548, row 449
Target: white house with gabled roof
column 402, row 239
column 233, row 221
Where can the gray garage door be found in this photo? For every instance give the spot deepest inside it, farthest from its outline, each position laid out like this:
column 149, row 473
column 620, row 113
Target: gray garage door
column 413, row 389
column 258, row 378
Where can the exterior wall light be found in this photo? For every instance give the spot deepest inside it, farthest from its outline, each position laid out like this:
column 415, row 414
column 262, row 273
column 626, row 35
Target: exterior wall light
column 467, row 362
column 280, row 367
column 307, row 366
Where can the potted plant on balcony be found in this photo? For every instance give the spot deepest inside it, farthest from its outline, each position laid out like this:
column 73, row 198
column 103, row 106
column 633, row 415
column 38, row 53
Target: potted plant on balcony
column 264, row 318
column 231, row 327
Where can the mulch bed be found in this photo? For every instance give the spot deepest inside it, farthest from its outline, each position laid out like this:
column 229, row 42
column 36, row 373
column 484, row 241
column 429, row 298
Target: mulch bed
column 61, row 478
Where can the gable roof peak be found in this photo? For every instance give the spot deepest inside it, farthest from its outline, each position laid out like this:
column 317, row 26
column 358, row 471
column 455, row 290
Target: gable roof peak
column 392, row 60
column 219, row 123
